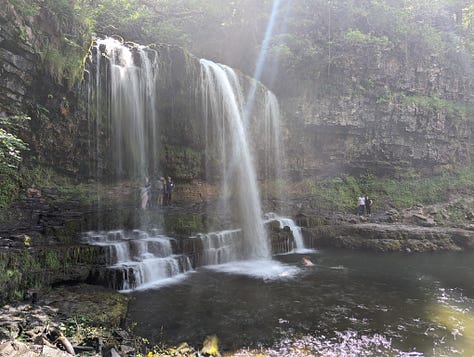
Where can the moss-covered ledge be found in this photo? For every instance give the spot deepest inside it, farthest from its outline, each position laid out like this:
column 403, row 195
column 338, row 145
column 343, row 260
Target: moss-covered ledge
column 22, row 269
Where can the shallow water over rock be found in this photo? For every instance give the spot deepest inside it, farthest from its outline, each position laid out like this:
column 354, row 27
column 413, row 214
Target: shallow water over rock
column 349, row 303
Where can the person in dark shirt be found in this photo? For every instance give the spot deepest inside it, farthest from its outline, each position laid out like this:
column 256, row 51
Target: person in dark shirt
column 169, row 190
column 368, row 205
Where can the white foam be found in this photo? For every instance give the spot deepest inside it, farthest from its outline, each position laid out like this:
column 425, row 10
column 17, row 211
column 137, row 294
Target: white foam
column 177, row 279
column 262, row 269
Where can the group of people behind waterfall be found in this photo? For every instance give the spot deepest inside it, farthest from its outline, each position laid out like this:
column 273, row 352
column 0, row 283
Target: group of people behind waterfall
column 157, row 194
column 364, row 205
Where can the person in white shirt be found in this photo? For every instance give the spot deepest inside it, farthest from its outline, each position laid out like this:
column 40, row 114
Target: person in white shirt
column 361, row 205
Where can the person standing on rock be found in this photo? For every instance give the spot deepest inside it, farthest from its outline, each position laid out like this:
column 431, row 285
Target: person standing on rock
column 368, row 205
column 361, row 205
column 161, row 190
column 169, row 190
column 145, row 194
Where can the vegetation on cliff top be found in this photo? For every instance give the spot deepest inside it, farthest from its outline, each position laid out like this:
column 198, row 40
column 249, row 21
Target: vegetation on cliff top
column 313, row 39
column 61, row 35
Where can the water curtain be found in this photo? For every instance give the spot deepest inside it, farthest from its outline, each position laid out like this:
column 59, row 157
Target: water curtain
column 123, row 94
column 223, row 93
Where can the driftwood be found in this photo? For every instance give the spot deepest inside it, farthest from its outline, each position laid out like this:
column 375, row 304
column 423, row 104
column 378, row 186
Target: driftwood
column 67, row 345
column 63, row 341
column 45, row 342
column 50, row 337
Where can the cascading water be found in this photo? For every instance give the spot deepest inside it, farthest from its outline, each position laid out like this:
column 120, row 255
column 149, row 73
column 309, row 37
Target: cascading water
column 125, row 106
column 223, row 94
column 123, row 91
column 295, row 230
column 137, row 260
column 220, row 247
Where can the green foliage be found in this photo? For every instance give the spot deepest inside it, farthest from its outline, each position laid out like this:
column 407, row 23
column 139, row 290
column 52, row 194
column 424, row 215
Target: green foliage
column 9, row 190
column 184, row 224
column 62, row 34
column 307, row 42
column 41, row 176
column 336, row 194
column 407, row 193
column 340, row 193
column 181, row 162
column 66, row 64
column 52, row 261
column 358, row 38
column 22, row 269
column 26, row 8
column 11, row 148
column 68, row 188
column 11, row 145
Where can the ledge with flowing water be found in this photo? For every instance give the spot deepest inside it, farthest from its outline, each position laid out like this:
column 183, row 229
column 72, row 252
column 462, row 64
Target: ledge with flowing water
column 144, row 259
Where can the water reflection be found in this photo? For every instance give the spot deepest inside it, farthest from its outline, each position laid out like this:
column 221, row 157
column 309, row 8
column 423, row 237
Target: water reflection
column 395, row 304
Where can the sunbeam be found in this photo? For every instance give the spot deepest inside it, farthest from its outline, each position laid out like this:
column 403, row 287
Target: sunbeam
column 261, row 59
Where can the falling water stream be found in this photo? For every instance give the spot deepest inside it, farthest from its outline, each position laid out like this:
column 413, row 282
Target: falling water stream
column 124, row 99
column 222, row 90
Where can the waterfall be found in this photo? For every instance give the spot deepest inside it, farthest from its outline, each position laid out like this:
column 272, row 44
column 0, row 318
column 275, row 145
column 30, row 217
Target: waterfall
column 223, row 95
column 274, row 162
column 125, row 107
column 126, row 90
column 295, row 230
column 137, row 260
column 220, row 247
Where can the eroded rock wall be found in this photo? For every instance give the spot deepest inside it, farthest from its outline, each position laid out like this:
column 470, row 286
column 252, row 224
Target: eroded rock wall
column 18, row 61
column 385, row 115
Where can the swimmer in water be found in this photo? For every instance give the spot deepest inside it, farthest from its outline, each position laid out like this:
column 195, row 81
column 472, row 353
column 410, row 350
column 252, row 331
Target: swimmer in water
column 307, row 262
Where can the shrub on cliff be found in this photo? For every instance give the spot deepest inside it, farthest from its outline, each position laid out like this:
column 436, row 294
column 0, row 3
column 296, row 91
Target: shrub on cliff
column 11, row 147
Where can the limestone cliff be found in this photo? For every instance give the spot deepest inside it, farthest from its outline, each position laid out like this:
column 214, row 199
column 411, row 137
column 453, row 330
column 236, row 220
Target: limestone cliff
column 39, row 67
column 383, row 115
column 18, row 60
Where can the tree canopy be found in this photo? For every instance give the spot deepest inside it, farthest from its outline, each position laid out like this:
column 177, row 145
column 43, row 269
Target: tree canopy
column 311, row 37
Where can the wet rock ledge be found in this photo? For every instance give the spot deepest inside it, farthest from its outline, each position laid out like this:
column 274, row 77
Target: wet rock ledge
column 443, row 227
column 390, row 237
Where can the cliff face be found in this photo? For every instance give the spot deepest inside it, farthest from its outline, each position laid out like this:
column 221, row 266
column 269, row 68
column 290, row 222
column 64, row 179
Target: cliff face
column 18, row 61
column 56, row 134
column 383, row 115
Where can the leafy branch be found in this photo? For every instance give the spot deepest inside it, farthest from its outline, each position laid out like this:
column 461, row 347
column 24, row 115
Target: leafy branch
column 11, row 145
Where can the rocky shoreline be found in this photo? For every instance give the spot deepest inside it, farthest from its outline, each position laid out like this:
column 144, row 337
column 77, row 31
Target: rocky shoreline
column 391, row 238
column 80, row 319
column 442, row 227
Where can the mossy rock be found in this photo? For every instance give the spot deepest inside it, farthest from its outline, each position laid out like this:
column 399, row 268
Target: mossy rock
column 97, row 305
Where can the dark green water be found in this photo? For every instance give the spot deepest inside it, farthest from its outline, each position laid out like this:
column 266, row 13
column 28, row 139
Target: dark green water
column 348, row 304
